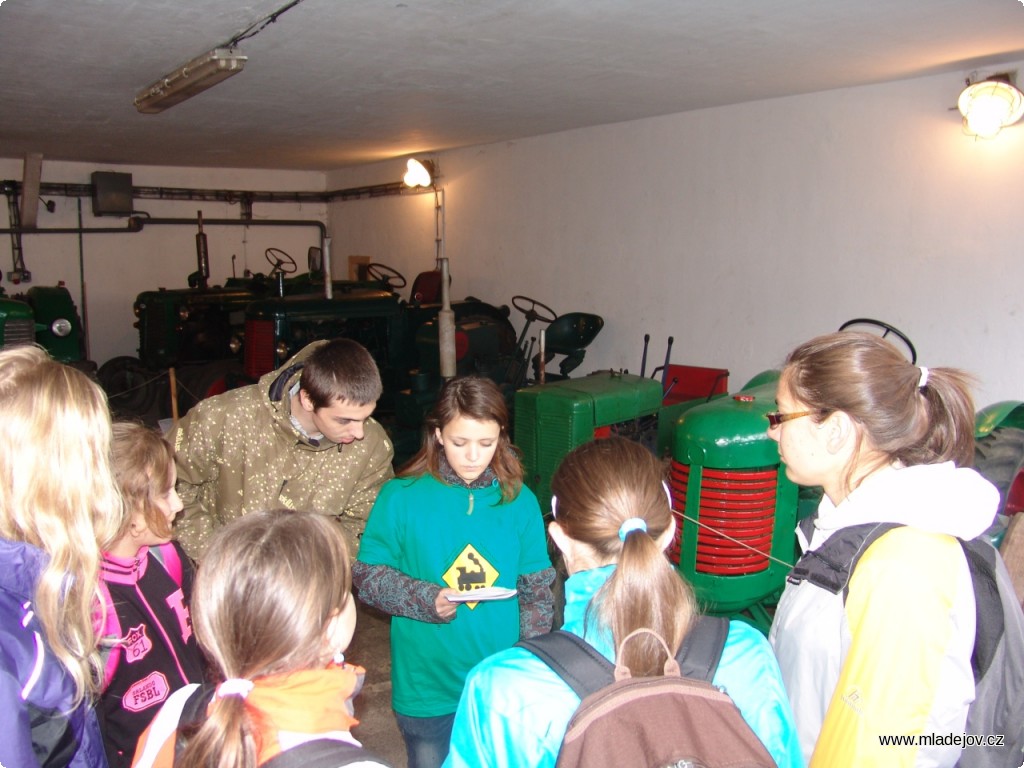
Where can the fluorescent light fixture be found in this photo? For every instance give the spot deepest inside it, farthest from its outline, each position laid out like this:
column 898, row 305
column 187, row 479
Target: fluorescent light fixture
column 418, row 173
column 990, row 105
column 188, row 80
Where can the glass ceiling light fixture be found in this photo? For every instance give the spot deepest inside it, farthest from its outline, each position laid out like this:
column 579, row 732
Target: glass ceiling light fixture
column 189, row 79
column 419, row 173
column 204, row 71
column 990, row 104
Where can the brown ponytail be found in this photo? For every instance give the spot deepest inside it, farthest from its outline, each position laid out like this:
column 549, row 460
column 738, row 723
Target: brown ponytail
column 600, row 485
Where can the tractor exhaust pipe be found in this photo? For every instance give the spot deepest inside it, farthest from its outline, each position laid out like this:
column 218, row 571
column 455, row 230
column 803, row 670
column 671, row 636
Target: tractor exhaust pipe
column 643, row 360
column 202, row 255
column 668, row 357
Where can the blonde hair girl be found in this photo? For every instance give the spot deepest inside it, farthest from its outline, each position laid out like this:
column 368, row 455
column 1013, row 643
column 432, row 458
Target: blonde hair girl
column 57, row 493
column 273, row 611
column 58, row 506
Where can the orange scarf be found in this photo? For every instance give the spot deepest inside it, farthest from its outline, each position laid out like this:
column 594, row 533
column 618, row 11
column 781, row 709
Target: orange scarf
column 307, row 702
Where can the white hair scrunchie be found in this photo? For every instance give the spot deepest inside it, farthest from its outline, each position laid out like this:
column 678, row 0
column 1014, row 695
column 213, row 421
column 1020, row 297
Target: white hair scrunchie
column 923, row 381
column 234, row 686
column 630, row 525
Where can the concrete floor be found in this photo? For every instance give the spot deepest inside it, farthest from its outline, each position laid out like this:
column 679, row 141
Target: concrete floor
column 371, row 649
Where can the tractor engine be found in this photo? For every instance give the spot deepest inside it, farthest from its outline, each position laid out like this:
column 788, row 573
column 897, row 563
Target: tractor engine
column 736, row 510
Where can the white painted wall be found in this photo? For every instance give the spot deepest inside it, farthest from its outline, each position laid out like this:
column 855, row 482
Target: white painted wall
column 115, row 268
column 740, row 231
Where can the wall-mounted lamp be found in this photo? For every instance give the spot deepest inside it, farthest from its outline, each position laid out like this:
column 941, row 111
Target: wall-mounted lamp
column 189, row 79
column 989, row 105
column 419, row 173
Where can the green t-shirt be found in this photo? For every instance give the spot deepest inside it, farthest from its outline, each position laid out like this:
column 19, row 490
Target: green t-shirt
column 464, row 539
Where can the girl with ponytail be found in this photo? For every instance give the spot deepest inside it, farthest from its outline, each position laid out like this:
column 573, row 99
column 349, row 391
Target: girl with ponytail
column 612, row 521
column 273, row 611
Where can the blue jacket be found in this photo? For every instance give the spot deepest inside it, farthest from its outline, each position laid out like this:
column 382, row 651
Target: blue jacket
column 514, row 709
column 40, row 728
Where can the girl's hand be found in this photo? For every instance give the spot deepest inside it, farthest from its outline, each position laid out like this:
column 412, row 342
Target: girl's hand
column 445, row 608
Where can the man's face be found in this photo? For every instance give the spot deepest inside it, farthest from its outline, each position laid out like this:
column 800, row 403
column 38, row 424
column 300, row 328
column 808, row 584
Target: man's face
column 341, row 421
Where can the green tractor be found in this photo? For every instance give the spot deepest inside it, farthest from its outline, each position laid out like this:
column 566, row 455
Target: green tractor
column 402, row 336
column 17, row 323
column 47, row 316
column 198, row 332
column 736, row 509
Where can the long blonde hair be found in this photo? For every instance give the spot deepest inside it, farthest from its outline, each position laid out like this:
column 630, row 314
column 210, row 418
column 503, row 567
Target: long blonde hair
column 267, row 589
column 599, row 486
column 58, row 494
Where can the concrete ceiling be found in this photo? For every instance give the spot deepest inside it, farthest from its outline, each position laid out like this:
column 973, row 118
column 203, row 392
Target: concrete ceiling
column 333, row 83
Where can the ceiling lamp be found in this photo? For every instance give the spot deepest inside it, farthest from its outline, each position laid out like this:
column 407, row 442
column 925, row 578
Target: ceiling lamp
column 990, row 105
column 419, row 173
column 189, row 79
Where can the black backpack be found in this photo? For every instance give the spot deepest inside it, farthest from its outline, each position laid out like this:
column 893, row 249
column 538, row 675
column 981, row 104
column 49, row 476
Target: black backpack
column 998, row 656
column 319, row 753
column 675, row 719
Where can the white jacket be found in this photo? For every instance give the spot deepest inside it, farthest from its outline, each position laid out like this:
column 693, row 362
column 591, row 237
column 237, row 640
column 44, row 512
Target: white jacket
column 894, row 658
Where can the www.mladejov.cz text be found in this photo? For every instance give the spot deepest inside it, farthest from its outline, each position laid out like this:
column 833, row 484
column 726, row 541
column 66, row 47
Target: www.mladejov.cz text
column 943, row 740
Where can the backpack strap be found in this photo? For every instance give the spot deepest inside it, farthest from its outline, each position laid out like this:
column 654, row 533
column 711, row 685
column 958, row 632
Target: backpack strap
column 990, row 624
column 702, row 648
column 573, row 659
column 322, row 753
column 586, row 671
column 193, row 711
column 831, row 565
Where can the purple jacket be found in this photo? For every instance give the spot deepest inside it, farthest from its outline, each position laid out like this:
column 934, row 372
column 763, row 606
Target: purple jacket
column 40, row 728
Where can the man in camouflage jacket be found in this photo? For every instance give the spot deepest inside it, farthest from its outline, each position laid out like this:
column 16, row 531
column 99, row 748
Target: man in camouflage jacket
column 302, row 437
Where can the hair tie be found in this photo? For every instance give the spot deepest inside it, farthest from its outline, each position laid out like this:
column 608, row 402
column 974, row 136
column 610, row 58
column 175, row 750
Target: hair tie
column 234, row 686
column 632, row 524
column 923, row 381
column 554, row 506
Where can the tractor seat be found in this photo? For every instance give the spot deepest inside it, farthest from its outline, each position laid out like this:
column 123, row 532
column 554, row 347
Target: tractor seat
column 569, row 335
column 426, row 288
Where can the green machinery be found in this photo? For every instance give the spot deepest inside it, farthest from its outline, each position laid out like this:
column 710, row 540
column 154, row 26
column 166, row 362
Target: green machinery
column 45, row 315
column 17, row 323
column 736, row 510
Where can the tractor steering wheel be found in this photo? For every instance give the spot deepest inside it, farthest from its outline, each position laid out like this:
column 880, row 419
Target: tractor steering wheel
column 386, row 274
column 887, row 329
column 280, row 261
column 530, row 310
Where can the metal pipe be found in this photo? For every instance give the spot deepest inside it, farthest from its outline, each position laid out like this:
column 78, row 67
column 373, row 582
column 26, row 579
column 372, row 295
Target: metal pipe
column 446, row 317
column 541, row 364
column 668, row 356
column 81, row 286
column 58, row 189
column 325, row 264
column 202, row 255
column 72, row 230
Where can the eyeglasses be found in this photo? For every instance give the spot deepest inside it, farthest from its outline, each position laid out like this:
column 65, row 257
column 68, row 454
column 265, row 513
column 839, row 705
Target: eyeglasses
column 778, row 418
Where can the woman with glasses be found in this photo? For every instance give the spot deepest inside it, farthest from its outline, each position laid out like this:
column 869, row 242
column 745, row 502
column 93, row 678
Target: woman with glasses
column 886, row 651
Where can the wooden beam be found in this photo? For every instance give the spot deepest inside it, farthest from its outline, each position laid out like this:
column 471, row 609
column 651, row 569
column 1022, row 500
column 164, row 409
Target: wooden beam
column 30, row 178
